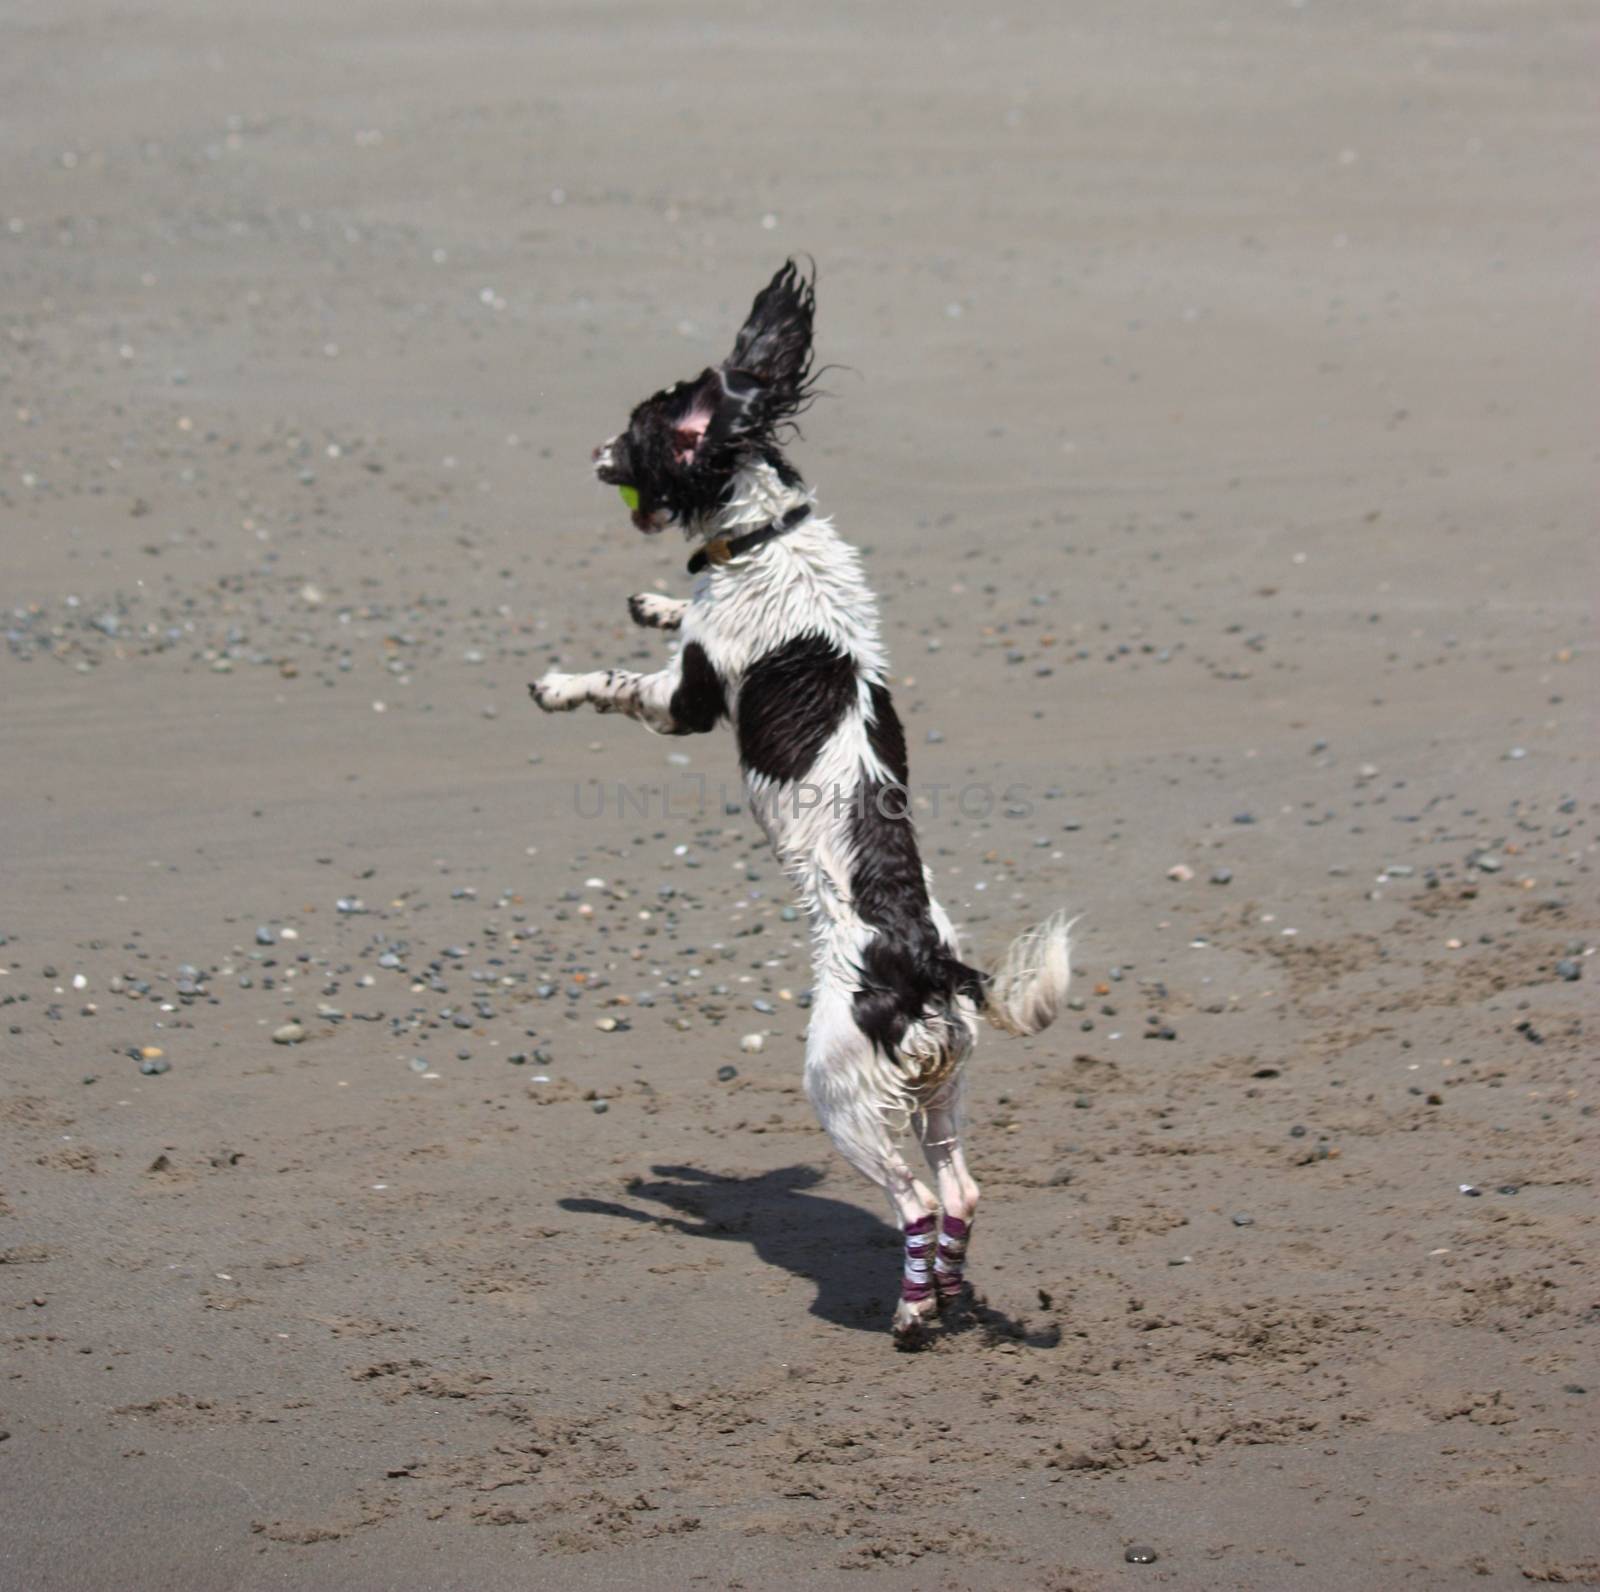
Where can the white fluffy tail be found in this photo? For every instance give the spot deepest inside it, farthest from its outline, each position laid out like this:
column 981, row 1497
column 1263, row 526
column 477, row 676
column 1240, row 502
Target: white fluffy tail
column 1028, row 990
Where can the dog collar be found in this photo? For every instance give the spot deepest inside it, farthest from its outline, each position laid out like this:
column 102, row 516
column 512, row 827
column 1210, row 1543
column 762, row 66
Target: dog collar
column 724, row 549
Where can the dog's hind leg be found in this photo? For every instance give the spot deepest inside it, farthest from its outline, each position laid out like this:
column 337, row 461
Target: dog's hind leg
column 940, row 1129
column 840, row 1071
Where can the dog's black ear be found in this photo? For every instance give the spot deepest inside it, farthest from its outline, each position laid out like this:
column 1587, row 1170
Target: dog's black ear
column 774, row 344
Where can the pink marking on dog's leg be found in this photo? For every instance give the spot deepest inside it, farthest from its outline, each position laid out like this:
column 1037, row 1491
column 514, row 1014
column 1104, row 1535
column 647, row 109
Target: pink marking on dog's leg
column 949, row 1265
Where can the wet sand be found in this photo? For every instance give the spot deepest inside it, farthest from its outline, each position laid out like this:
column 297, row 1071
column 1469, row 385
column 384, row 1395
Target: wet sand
column 1216, row 412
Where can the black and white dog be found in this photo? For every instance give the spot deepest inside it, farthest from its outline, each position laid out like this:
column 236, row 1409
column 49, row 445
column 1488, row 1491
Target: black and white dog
column 781, row 637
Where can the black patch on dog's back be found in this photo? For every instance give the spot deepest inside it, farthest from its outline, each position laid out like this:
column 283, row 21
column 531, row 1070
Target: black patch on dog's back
column 700, row 700
column 791, row 701
column 906, row 968
column 886, row 736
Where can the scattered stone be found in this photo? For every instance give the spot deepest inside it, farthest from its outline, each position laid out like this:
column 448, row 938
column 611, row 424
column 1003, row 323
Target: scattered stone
column 290, row 1033
column 1222, row 876
column 1239, row 1219
column 154, row 1067
column 1141, row 1556
column 1569, row 969
column 753, row 1044
column 1181, row 872
column 727, row 1073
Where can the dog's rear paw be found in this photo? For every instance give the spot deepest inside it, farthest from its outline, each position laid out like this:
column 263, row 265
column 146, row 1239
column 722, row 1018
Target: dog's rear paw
column 557, row 693
column 656, row 613
column 914, row 1325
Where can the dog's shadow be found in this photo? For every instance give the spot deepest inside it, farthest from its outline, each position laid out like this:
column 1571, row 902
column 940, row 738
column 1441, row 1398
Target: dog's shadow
column 846, row 1253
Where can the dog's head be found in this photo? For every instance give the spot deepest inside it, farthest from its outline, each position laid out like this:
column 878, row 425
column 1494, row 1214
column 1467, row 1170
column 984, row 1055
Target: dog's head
column 684, row 445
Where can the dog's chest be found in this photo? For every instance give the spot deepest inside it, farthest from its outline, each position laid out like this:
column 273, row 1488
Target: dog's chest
column 810, row 586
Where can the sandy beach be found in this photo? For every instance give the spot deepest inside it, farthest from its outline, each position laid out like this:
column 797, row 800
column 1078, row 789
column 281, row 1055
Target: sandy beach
column 1214, row 405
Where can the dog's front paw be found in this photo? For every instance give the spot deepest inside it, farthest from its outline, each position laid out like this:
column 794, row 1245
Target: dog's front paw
column 656, row 613
column 557, row 693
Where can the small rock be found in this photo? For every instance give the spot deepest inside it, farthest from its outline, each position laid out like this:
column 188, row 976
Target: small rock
column 155, row 1067
column 1181, row 872
column 1141, row 1556
column 266, row 936
column 600, row 1107
column 1239, row 1219
column 753, row 1044
column 1569, row 969
column 1222, row 876
column 727, row 1073
column 289, row 1034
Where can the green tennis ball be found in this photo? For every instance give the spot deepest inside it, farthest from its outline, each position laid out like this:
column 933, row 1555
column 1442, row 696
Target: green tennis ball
column 630, row 496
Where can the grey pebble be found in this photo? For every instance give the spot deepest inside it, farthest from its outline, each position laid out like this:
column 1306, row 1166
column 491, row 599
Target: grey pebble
column 600, row 1107
column 1570, row 969
column 1222, row 876
column 764, row 1006
column 1141, row 1556
column 726, row 1074
column 266, row 936
column 155, row 1066
column 1241, row 1220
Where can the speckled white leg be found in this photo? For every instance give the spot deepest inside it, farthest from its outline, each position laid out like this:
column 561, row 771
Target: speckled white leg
column 646, row 697
column 655, row 612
